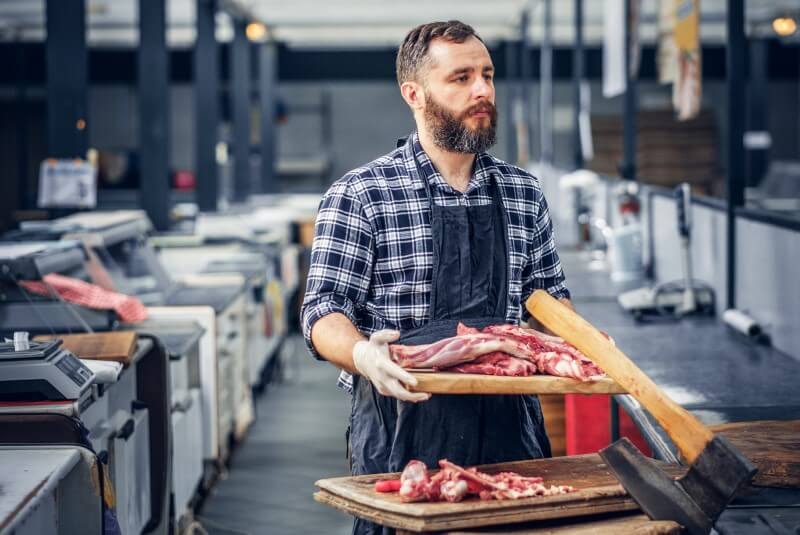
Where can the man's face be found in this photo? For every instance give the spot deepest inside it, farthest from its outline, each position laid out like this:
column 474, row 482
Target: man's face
column 459, row 106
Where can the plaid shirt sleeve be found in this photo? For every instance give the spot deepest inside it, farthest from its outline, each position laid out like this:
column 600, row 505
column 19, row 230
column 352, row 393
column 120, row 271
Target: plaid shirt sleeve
column 543, row 270
column 341, row 260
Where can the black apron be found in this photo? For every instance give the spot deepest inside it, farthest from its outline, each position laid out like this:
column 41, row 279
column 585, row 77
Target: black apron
column 469, row 285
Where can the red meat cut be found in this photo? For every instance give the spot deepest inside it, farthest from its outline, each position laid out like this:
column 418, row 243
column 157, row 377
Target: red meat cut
column 455, row 350
column 499, row 350
column 498, row 364
column 453, row 483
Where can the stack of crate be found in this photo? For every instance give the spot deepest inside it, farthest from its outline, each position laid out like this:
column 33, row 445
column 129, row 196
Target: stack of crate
column 668, row 151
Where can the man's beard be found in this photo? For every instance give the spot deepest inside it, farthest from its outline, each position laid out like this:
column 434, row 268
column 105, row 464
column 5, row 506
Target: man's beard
column 453, row 135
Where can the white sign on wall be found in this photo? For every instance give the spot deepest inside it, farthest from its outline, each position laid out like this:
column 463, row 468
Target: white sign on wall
column 67, row 184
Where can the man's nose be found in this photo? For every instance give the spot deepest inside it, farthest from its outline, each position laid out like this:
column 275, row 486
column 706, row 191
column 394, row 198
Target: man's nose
column 481, row 88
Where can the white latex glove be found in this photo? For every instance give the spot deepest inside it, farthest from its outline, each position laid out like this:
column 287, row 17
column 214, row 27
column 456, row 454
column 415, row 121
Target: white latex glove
column 372, row 360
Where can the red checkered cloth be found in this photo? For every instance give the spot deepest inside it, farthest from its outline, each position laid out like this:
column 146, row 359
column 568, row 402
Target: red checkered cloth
column 129, row 309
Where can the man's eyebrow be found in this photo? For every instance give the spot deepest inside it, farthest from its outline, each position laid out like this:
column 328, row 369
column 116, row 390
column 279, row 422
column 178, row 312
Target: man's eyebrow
column 461, row 70
column 464, row 70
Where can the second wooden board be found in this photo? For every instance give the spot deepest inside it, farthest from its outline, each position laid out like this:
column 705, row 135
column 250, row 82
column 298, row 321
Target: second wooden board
column 598, row 492
column 118, row 346
column 467, row 383
column 773, row 446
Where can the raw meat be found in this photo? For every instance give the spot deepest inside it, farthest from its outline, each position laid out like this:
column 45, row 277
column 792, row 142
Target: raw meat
column 80, row 292
column 455, row 350
column 500, row 350
column 553, row 355
column 388, row 485
column 453, row 483
column 414, row 482
column 506, row 485
column 498, row 364
column 463, row 329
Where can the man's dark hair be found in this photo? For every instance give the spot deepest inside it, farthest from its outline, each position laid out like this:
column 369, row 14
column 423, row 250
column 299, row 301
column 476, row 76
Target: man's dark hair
column 413, row 53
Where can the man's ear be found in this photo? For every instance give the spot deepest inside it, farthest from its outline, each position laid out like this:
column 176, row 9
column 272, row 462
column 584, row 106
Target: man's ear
column 414, row 95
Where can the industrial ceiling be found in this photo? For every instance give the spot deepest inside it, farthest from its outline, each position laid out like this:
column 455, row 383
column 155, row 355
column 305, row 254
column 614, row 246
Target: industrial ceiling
column 368, row 23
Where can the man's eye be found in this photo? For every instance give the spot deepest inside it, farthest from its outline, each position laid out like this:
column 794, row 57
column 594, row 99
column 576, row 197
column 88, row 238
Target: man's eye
column 487, row 77
column 462, row 78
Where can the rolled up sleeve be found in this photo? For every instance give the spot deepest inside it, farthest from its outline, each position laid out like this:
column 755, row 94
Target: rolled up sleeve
column 543, row 270
column 341, row 260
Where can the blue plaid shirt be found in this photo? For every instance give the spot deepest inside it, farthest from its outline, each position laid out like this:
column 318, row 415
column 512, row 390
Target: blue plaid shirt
column 372, row 256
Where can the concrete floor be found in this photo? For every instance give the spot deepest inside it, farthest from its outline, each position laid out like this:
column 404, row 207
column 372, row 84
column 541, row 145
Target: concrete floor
column 298, row 437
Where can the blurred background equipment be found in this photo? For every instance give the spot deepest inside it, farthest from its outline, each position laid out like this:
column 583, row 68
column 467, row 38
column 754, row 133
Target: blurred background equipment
column 677, row 298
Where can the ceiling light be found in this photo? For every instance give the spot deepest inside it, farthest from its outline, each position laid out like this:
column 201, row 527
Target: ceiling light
column 784, row 26
column 256, row 32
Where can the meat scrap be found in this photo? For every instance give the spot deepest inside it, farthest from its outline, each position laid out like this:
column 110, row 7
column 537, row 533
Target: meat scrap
column 453, row 483
column 499, row 350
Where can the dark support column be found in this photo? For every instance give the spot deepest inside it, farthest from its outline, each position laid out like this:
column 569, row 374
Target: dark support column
column 510, row 53
column 735, row 57
column 154, row 112
column 577, row 78
column 546, row 87
column 206, row 101
column 25, row 198
column 525, row 80
column 326, row 126
column 759, row 142
column 67, row 79
column 240, row 110
column 628, row 169
column 268, row 67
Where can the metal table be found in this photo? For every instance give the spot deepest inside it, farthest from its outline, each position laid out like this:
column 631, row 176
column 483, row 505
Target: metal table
column 49, row 490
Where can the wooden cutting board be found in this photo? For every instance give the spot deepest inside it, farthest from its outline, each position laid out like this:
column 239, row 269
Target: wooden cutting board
column 467, row 383
column 118, row 346
column 624, row 524
column 772, row 445
column 599, row 492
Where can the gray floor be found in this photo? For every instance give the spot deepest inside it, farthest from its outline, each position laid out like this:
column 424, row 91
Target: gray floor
column 297, row 438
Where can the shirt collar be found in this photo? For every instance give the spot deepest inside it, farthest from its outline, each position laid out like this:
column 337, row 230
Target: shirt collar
column 484, row 167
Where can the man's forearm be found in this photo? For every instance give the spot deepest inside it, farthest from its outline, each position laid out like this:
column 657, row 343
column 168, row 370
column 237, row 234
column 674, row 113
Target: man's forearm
column 333, row 337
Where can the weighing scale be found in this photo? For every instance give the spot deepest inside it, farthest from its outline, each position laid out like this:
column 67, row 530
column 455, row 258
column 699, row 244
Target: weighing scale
column 44, row 372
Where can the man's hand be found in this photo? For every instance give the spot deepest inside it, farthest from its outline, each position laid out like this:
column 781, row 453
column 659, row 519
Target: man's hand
column 372, row 360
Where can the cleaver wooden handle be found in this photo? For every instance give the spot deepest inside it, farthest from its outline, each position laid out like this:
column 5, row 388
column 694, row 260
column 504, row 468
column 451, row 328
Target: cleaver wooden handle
column 688, row 433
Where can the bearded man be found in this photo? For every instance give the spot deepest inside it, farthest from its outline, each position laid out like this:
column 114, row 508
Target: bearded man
column 434, row 233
